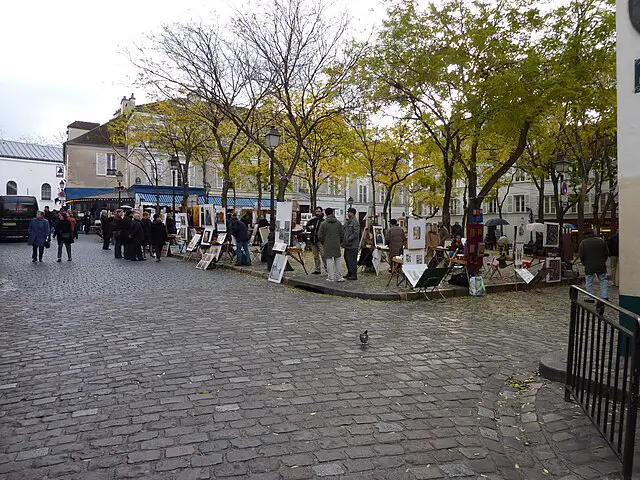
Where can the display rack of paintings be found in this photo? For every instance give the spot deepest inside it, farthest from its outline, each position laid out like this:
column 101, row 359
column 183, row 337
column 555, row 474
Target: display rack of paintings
column 278, row 267
column 417, row 232
column 206, row 260
column 554, row 269
column 551, row 235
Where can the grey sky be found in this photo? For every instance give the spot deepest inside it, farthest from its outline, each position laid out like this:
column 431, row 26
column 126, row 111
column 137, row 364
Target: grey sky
column 63, row 61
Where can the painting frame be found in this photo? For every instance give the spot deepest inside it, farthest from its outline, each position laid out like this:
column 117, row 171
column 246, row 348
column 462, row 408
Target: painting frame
column 378, row 236
column 278, row 267
column 554, row 269
column 193, row 244
column 206, row 260
column 413, row 256
column 207, row 236
column 417, row 233
column 518, row 255
column 551, row 235
column 413, row 273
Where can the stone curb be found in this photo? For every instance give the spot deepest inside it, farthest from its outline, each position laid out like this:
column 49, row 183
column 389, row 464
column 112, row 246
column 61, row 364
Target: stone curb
column 553, row 366
column 388, row 296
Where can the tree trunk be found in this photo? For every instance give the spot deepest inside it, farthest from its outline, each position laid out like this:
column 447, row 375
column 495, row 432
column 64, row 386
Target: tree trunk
column 448, row 188
column 185, row 186
column 540, row 188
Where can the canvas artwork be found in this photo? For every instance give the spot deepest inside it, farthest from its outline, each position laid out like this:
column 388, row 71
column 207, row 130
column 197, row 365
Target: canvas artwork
column 554, row 269
column 254, row 233
column 206, row 260
column 220, row 238
column 417, row 233
column 194, row 242
column 518, row 255
column 278, row 267
column 378, row 237
column 221, row 220
column 551, row 235
column 524, row 274
column 207, row 215
column 413, row 257
column 215, row 250
column 279, row 247
column 284, row 211
column 181, row 220
column 264, row 235
column 182, row 231
column 376, row 259
column 413, row 273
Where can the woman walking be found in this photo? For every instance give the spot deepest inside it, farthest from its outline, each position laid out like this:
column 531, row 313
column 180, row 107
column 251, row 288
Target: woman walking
column 158, row 235
column 39, row 232
column 64, row 233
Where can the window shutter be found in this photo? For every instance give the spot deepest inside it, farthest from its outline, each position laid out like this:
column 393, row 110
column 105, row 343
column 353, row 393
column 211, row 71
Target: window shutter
column 101, row 164
column 510, row 204
column 526, row 202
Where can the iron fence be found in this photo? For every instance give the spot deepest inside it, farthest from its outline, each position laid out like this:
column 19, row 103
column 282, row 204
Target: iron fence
column 603, row 370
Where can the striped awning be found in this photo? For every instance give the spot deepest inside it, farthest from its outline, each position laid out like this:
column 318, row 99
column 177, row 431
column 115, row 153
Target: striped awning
column 240, row 202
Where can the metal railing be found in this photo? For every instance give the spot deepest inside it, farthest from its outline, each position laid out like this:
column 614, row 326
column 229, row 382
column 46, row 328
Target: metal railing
column 603, row 369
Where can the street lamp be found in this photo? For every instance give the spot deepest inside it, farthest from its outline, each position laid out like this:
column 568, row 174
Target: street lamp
column 207, row 187
column 272, row 139
column 119, row 177
column 562, row 165
column 350, row 200
column 174, row 164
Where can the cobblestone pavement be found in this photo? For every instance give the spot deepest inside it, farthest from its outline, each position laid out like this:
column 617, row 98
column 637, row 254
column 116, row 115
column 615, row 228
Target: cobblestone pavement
column 115, row 369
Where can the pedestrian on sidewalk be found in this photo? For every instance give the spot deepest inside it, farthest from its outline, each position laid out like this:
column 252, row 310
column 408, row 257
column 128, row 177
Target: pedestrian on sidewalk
column 312, row 227
column 158, row 235
column 593, row 255
column 146, row 227
column 125, row 234
column 136, row 239
column 105, row 230
column 39, row 235
column 171, row 230
column 116, row 228
column 351, row 243
column 240, row 231
column 64, row 234
column 331, row 236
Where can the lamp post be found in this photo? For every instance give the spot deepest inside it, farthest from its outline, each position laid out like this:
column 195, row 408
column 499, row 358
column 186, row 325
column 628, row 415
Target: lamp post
column 207, row 187
column 119, row 177
column 562, row 166
column 272, row 139
column 174, row 164
column 61, row 193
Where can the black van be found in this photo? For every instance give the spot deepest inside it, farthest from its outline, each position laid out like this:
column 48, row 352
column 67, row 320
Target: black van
column 16, row 211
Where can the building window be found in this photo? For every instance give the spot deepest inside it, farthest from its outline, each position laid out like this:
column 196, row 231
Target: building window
column 521, row 203
column 382, row 196
column 45, row 192
column 362, row 193
column 549, row 205
column 111, row 163
column 454, row 206
column 520, row 176
column 12, row 188
column 492, row 206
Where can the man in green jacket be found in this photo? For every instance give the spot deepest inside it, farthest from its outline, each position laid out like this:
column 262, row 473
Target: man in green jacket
column 351, row 242
column 331, row 236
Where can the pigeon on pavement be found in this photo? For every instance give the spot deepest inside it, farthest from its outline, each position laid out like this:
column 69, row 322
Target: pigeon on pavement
column 364, row 337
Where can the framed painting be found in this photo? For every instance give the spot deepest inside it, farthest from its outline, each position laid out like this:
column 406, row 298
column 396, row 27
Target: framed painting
column 215, row 250
column 278, row 267
column 207, row 236
column 206, row 260
column 220, row 238
column 518, row 255
column 551, row 235
column 378, row 237
column 554, row 269
column 193, row 244
column 417, row 232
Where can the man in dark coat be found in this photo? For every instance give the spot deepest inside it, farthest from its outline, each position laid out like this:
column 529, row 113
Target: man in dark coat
column 614, row 253
column 312, row 227
column 171, row 230
column 593, row 255
column 331, row 236
column 146, row 226
column 351, row 242
column 116, row 228
column 105, row 226
column 136, row 239
column 125, row 235
column 39, row 232
column 158, row 235
column 241, row 233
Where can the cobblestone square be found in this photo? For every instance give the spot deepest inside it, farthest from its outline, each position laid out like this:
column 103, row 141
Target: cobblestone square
column 114, row 369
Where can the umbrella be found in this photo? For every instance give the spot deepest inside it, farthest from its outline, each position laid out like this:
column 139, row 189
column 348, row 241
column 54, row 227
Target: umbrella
column 569, row 225
column 495, row 222
column 535, row 227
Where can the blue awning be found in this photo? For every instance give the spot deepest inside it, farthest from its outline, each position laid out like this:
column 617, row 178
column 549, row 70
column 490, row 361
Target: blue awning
column 240, row 202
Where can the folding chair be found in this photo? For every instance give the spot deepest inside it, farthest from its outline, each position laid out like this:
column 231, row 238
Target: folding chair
column 430, row 280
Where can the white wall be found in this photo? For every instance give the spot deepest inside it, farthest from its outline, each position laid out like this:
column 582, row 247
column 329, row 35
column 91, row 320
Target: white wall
column 29, row 176
column 628, row 50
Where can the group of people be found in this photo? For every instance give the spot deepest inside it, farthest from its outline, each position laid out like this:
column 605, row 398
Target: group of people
column 136, row 234
column 59, row 225
column 327, row 236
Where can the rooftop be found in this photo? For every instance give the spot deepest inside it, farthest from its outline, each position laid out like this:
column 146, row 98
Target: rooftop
column 79, row 124
column 30, row 151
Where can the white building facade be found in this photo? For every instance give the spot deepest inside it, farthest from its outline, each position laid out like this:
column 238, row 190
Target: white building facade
column 30, row 169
